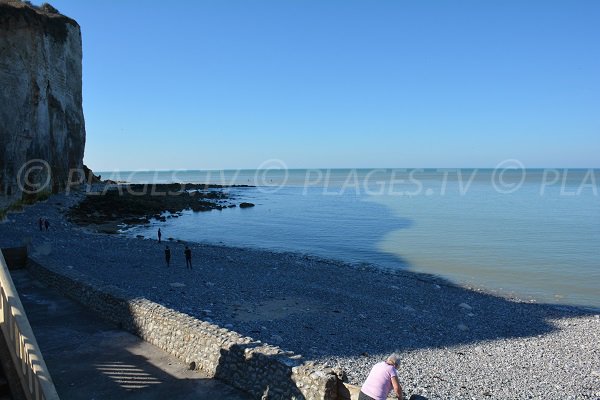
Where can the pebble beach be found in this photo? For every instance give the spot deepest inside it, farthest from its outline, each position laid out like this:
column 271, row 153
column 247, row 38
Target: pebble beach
column 455, row 342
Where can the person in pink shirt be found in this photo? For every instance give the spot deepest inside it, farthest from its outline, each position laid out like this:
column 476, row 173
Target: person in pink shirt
column 381, row 379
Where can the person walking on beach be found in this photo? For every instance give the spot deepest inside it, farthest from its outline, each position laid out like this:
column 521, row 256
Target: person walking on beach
column 168, row 256
column 47, row 224
column 159, row 235
column 41, row 224
column 188, row 257
column 381, row 379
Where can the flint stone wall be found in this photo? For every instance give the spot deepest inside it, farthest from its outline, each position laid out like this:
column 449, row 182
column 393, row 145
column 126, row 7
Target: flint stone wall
column 242, row 362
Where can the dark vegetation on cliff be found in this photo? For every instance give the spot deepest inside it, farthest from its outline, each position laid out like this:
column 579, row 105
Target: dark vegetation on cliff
column 26, row 200
column 44, row 17
column 138, row 203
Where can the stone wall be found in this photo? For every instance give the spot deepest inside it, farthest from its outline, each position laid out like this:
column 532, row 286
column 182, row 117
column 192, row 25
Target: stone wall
column 249, row 365
column 41, row 113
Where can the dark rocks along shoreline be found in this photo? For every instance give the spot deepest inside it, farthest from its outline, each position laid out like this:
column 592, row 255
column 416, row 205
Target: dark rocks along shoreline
column 132, row 204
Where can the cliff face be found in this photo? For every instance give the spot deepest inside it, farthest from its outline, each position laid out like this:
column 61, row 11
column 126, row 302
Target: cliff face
column 41, row 115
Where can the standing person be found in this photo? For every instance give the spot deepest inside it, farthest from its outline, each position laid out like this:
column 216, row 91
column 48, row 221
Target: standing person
column 168, row 256
column 188, row 257
column 381, row 379
column 47, row 224
column 41, row 223
column 159, row 235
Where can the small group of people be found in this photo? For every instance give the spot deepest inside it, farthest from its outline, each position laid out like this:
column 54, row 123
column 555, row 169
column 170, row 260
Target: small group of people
column 43, row 223
column 187, row 252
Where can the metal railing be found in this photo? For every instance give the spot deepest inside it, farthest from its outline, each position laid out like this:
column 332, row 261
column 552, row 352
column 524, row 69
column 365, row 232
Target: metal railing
column 23, row 348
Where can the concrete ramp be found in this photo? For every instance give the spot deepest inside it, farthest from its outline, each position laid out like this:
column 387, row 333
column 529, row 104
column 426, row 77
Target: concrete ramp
column 91, row 359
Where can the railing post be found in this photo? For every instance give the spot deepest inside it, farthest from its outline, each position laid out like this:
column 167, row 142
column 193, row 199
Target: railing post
column 24, row 350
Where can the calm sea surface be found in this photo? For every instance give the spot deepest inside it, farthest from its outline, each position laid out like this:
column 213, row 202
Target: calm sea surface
column 534, row 233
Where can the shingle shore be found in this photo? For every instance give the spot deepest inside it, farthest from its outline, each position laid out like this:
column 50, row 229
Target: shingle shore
column 455, row 342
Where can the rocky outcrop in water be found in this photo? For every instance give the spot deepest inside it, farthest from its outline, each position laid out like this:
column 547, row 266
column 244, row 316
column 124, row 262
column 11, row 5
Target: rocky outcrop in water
column 117, row 205
column 42, row 129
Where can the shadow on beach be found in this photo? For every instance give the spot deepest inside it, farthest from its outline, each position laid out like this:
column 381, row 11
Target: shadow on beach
column 324, row 310
column 302, row 303
column 356, row 312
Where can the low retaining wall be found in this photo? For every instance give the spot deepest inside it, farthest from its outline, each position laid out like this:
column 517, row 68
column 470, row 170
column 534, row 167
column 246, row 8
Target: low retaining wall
column 242, row 362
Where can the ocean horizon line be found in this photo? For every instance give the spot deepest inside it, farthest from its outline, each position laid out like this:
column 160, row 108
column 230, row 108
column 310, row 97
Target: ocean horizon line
column 428, row 169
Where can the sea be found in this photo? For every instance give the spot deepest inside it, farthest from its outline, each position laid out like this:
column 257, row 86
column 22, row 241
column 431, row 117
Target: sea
column 529, row 233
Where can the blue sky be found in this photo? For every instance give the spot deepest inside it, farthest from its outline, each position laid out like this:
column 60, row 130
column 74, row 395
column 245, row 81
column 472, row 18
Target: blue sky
column 325, row 83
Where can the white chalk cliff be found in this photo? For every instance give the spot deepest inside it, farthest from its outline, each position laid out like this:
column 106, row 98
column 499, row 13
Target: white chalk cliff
column 41, row 114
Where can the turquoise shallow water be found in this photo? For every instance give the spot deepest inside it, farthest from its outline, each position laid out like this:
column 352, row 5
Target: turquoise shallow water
column 534, row 233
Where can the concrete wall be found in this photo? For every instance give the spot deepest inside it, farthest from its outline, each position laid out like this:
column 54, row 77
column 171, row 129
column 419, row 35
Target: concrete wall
column 242, row 362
